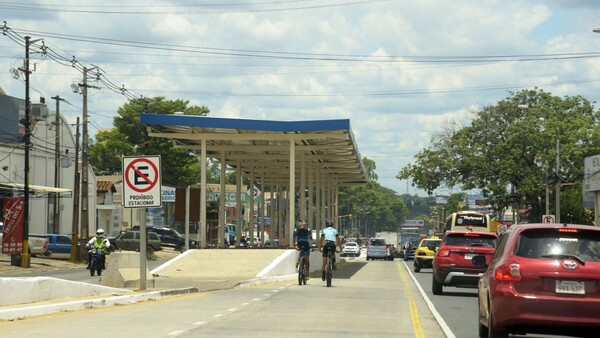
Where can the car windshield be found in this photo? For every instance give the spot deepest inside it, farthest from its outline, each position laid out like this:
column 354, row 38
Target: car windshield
column 175, row 232
column 427, row 243
column 378, row 242
column 558, row 243
column 471, row 240
column 350, row 244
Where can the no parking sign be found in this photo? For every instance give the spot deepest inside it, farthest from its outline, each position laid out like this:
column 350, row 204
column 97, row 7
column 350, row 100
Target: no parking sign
column 141, row 182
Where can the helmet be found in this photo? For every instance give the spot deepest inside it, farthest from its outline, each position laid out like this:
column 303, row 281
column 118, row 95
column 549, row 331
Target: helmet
column 328, row 223
column 100, row 232
column 301, row 224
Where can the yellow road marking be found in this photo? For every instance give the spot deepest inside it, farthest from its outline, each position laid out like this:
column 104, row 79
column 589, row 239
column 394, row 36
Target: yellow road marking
column 414, row 313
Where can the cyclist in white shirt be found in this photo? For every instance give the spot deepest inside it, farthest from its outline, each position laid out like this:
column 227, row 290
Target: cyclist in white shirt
column 330, row 236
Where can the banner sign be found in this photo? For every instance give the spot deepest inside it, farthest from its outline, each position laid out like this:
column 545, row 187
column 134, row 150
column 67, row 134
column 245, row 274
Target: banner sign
column 12, row 233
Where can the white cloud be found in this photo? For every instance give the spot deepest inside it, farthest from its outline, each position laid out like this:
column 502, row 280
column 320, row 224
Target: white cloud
column 394, row 107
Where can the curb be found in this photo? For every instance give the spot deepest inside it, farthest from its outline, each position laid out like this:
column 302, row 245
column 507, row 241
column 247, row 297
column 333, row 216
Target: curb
column 15, row 313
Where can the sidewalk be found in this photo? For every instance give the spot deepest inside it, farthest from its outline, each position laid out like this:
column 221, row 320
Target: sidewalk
column 191, row 272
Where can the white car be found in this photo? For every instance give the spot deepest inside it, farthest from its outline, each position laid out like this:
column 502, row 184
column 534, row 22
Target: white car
column 351, row 249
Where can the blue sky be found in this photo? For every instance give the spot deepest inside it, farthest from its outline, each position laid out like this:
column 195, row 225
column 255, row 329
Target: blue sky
column 388, row 66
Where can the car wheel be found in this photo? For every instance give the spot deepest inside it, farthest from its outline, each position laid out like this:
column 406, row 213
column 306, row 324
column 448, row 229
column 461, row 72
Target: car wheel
column 491, row 332
column 483, row 331
column 436, row 287
column 417, row 269
column 181, row 248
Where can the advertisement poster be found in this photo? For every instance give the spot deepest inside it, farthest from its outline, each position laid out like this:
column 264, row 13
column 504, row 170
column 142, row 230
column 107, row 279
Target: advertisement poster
column 12, row 234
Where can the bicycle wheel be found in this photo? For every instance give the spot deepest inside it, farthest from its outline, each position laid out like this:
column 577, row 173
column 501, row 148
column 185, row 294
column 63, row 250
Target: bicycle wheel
column 301, row 272
column 329, row 271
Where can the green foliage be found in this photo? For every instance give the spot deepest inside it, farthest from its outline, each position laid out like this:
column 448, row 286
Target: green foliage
column 130, row 138
column 507, row 152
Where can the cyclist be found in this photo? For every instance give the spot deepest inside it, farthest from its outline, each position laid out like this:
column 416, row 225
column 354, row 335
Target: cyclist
column 302, row 236
column 331, row 237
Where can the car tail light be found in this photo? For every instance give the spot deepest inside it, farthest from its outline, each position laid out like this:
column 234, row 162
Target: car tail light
column 509, row 272
column 567, row 230
column 444, row 253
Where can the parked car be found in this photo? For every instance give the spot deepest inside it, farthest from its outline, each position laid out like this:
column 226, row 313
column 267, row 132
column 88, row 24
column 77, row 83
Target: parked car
column 171, row 238
column 351, row 249
column 543, row 278
column 425, row 253
column 452, row 264
column 59, row 245
column 130, row 240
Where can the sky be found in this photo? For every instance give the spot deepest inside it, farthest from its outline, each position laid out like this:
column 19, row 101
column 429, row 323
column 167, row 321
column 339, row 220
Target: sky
column 398, row 69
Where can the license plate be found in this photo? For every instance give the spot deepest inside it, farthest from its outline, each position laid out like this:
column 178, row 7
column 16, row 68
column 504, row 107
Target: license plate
column 570, row 287
column 469, row 255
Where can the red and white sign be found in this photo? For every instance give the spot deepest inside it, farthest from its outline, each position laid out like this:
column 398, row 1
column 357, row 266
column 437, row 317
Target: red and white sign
column 141, row 182
column 548, row 219
column 12, row 233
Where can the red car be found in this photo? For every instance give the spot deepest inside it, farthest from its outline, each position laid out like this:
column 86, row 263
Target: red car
column 452, row 264
column 543, row 278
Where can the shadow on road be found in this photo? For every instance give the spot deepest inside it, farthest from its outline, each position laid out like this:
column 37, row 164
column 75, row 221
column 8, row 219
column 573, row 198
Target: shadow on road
column 458, row 294
column 347, row 270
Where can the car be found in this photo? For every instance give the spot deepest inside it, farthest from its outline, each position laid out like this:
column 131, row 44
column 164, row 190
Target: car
column 351, row 249
column 425, row 253
column 544, row 278
column 130, row 240
column 452, row 265
column 377, row 249
column 171, row 238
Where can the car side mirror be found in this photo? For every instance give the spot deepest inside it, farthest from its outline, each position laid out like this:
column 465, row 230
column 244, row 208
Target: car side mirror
column 479, row 260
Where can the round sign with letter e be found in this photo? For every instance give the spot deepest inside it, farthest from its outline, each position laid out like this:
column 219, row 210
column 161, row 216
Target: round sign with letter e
column 141, row 182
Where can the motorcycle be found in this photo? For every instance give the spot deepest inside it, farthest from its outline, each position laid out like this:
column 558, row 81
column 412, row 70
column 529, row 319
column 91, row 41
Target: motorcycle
column 96, row 258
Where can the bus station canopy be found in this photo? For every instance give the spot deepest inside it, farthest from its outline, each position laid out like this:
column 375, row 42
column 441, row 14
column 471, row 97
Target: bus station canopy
column 263, row 146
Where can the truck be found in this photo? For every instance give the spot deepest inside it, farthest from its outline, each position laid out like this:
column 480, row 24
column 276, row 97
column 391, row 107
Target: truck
column 391, row 237
column 59, row 245
column 37, row 244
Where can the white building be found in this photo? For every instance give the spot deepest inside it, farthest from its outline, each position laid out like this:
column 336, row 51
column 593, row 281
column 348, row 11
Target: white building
column 42, row 166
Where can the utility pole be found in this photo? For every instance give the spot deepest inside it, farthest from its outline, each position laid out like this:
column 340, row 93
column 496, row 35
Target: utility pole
column 56, row 217
column 84, row 161
column 75, row 226
column 557, row 180
column 25, row 258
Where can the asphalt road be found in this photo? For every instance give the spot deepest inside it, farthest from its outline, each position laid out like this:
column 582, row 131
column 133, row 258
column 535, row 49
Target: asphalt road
column 367, row 299
column 457, row 306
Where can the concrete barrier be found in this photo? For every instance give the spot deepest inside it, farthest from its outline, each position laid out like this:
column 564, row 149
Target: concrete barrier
column 27, row 290
column 123, row 271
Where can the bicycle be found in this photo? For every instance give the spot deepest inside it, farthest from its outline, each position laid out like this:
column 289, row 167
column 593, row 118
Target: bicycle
column 329, row 268
column 302, row 273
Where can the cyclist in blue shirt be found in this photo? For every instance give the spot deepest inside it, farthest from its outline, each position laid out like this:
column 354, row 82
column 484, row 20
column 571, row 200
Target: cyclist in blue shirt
column 330, row 236
column 302, row 235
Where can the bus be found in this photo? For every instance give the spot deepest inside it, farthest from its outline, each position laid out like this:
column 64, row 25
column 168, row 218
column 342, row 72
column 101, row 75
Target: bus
column 470, row 220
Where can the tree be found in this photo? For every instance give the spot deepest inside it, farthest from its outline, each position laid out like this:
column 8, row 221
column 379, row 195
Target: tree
column 384, row 208
column 508, row 152
column 129, row 137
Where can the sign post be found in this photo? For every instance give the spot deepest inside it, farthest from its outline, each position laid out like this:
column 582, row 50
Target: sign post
column 142, row 189
column 548, row 219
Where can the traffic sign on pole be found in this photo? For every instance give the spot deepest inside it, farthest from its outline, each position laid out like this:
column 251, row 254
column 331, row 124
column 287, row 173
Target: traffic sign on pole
column 548, row 219
column 141, row 182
